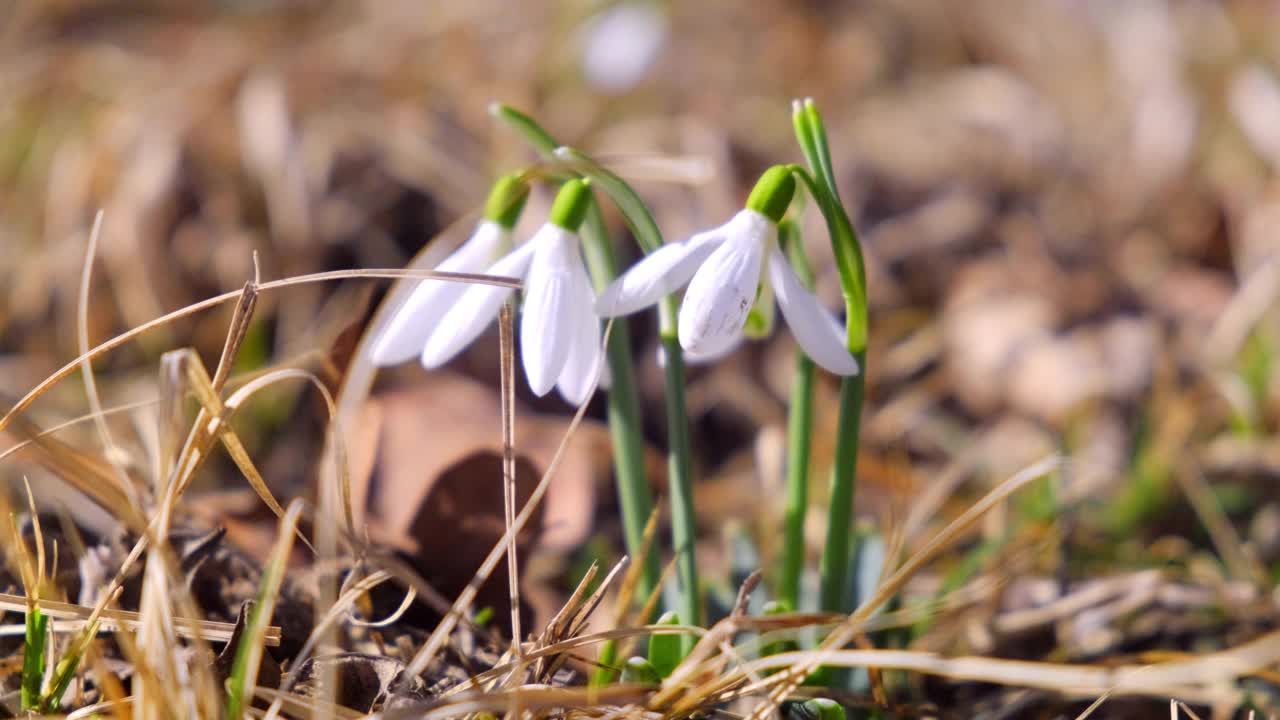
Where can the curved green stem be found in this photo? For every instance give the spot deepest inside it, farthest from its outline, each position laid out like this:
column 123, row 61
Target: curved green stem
column 840, row 515
column 645, row 229
column 679, row 466
column 680, row 472
column 848, row 252
column 625, row 428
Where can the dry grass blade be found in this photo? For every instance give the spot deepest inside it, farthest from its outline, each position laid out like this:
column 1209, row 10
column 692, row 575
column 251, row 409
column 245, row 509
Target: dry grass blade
column 1200, row 677
column 630, row 581
column 532, row 698
column 792, row 678
column 583, row 614
column 53, row 430
column 507, row 353
column 573, row 617
column 442, row 631
column 565, row 646
column 556, row 628
column 300, row 706
column 113, row 452
column 111, row 620
column 116, row 707
column 62, row 373
column 87, row 473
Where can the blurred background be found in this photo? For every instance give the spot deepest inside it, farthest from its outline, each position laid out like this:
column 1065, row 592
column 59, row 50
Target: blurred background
column 1069, row 208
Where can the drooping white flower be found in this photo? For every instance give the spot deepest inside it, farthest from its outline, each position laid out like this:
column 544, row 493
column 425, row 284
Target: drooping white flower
column 560, row 341
column 723, row 268
column 407, row 332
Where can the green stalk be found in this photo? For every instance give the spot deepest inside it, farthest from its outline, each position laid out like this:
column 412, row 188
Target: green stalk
column 680, row 471
column 835, row 553
column 799, row 440
column 623, row 399
column 848, row 252
column 33, row 657
column 679, row 467
column 623, row 410
column 647, row 234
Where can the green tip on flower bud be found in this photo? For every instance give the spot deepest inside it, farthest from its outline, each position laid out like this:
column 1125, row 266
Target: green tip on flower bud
column 821, row 709
column 773, row 192
column 506, row 200
column 571, row 204
column 639, row 671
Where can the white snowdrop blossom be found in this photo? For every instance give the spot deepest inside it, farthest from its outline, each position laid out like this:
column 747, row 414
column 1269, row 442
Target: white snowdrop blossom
column 560, row 339
column 405, row 335
column 723, row 268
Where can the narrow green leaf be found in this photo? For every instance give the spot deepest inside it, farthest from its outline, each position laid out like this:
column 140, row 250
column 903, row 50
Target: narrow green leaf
column 607, row 671
column 33, row 658
column 528, row 128
column 67, row 667
column 244, row 669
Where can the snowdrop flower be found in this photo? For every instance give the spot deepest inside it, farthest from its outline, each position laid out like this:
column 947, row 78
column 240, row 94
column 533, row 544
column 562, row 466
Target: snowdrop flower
column 560, row 342
column 723, row 268
column 405, row 335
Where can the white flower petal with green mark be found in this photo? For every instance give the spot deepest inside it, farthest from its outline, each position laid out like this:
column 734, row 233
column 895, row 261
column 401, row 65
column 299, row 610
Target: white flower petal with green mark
column 583, row 367
column 414, row 321
column 722, row 290
column 473, row 312
column 815, row 329
column 659, row 273
column 547, row 328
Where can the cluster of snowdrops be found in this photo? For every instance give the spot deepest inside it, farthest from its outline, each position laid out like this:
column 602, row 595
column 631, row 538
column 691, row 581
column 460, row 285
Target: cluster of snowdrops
column 733, row 277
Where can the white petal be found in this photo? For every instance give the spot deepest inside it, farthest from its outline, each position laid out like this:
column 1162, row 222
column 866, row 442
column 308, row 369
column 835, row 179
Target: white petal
column 406, row 334
column 550, row 309
column 722, row 291
column 474, row 310
column 582, row 370
column 815, row 328
column 659, row 273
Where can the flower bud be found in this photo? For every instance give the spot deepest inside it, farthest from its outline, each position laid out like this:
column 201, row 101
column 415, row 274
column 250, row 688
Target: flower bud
column 570, row 207
column 506, row 200
column 773, row 192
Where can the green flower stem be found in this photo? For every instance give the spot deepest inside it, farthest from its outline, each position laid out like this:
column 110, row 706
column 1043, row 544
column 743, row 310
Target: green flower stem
column 647, row 234
column 848, row 252
column 680, row 472
column 623, row 411
column 680, row 469
column 623, row 399
column 799, row 440
column 836, row 550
